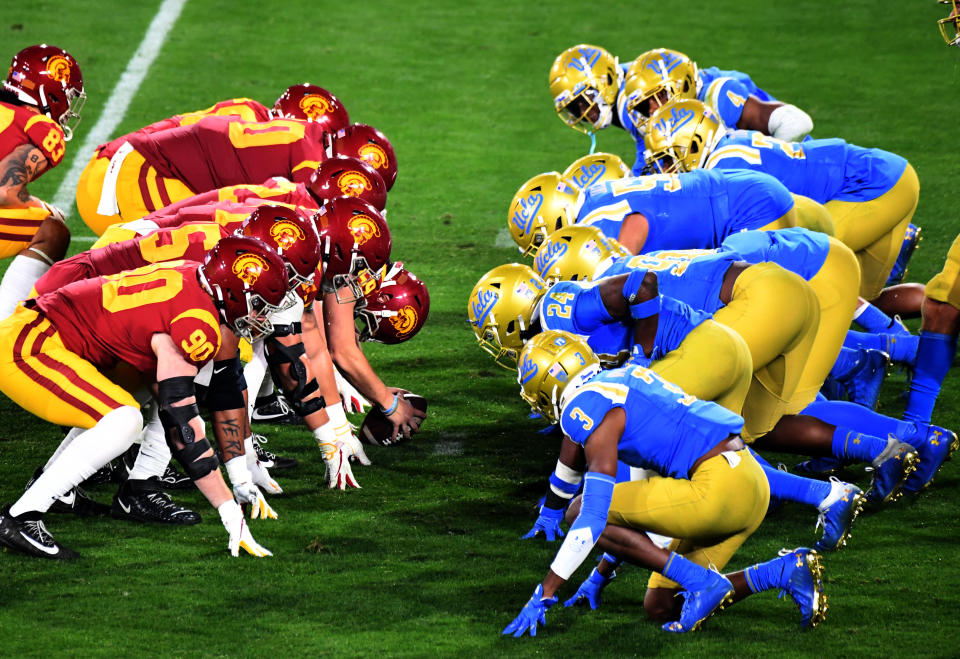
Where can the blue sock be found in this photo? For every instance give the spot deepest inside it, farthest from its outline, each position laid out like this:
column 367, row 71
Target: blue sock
column 790, row 487
column 901, row 347
column 848, row 443
column 855, row 339
column 764, row 576
column 934, row 357
column 846, row 362
column 872, row 319
column 686, row 573
column 859, row 418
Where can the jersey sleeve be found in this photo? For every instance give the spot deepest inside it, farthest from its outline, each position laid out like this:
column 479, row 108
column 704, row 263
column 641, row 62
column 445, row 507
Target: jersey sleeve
column 196, row 333
column 46, row 135
column 584, row 412
column 727, row 96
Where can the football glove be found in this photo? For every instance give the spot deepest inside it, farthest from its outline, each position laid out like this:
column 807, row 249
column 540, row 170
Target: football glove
column 590, row 590
column 339, row 473
column 547, row 523
column 258, row 473
column 246, row 491
column 344, row 432
column 236, row 525
column 534, row 612
column 353, row 400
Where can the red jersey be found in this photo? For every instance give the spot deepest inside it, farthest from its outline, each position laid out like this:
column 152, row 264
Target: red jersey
column 112, row 319
column 216, row 152
column 228, row 214
column 21, row 125
column 276, row 190
column 189, row 242
column 242, row 108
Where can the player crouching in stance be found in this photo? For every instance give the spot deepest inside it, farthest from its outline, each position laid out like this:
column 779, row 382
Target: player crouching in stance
column 710, row 495
column 165, row 319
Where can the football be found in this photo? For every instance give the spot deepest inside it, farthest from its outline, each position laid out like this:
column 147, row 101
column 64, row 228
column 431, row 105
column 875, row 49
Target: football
column 377, row 429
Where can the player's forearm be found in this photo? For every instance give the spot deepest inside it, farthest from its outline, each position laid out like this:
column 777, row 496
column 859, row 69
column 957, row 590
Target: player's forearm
column 214, row 488
column 228, row 430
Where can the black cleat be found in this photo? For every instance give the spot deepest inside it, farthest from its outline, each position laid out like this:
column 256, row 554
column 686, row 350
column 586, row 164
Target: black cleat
column 145, row 501
column 74, row 502
column 173, row 479
column 271, row 460
column 275, row 411
column 27, row 535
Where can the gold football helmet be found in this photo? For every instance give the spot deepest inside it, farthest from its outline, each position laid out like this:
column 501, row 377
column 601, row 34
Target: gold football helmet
column 950, row 26
column 657, row 77
column 500, row 308
column 575, row 253
column 548, row 364
column 594, row 168
column 681, row 135
column 542, row 205
column 584, row 83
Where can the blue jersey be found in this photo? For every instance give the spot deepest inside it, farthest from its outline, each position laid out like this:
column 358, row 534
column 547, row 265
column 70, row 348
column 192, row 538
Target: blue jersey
column 798, row 250
column 568, row 306
column 692, row 210
column 694, row 277
column 824, row 170
column 666, row 429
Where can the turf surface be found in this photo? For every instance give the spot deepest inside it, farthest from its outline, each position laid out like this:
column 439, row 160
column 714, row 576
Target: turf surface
column 426, row 558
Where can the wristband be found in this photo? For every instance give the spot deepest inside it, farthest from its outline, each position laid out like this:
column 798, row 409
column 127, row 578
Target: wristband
column 393, row 408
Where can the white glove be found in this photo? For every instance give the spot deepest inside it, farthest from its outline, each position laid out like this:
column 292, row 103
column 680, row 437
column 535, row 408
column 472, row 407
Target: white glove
column 339, row 473
column 353, row 400
column 343, row 432
column 261, row 477
column 236, row 525
column 246, row 491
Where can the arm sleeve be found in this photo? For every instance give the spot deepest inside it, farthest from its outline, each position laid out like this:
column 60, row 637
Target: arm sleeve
column 586, row 529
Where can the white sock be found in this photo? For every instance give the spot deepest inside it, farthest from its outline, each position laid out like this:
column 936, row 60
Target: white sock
column 18, row 281
column 71, row 435
column 266, row 387
column 253, row 373
column 154, row 455
column 89, row 451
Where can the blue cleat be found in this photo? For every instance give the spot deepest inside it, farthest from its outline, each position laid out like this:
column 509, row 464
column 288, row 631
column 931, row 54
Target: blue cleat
column 803, row 581
column 933, row 451
column 891, row 469
column 820, row 467
column 698, row 605
column 910, row 241
column 863, row 386
column 837, row 513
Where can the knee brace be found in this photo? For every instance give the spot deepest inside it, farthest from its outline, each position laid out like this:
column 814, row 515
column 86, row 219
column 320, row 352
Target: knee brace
column 176, row 425
column 280, row 354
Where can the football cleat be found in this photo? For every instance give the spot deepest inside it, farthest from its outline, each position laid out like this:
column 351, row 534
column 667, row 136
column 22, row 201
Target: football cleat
column 933, row 451
column 837, row 513
column 863, row 386
column 802, row 580
column 276, row 411
column 271, row 460
column 145, row 501
column 101, row 476
column 698, row 605
column 820, row 467
column 910, row 241
column 890, row 470
column 28, row 535
column 174, row 479
column 76, row 501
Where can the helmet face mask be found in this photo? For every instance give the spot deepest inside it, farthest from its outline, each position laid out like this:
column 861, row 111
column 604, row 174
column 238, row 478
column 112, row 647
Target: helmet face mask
column 395, row 309
column 654, row 79
column 584, row 82
column 355, row 243
column 551, row 366
column 950, row 26
column 501, row 309
column 681, row 136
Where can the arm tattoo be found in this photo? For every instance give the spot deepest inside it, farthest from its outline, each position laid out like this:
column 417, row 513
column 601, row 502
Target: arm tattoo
column 229, row 437
column 22, row 165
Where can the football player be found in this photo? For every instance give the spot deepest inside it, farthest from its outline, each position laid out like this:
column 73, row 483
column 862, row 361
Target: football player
column 40, row 104
column 591, row 90
column 164, row 319
column 870, row 193
column 711, row 494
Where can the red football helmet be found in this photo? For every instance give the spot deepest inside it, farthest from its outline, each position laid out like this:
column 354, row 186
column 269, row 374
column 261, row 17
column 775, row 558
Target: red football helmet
column 355, row 243
column 293, row 237
column 370, row 145
column 248, row 281
column 396, row 309
column 345, row 176
column 49, row 79
column 312, row 103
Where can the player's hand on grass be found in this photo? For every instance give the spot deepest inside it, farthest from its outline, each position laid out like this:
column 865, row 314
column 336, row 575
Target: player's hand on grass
column 548, row 523
column 534, row 612
column 263, row 480
column 336, row 458
column 240, row 537
column 589, row 591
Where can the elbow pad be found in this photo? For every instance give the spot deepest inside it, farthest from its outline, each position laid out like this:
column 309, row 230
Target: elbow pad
column 789, row 123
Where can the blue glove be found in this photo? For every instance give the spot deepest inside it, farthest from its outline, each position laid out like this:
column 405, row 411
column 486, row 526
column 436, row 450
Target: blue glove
column 548, row 523
column 589, row 591
column 535, row 611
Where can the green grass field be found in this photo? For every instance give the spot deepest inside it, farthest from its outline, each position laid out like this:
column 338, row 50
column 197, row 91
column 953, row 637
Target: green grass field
column 426, row 558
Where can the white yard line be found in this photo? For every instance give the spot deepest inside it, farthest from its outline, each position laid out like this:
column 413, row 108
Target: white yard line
column 116, row 106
